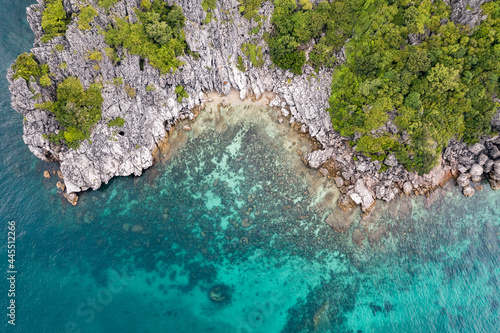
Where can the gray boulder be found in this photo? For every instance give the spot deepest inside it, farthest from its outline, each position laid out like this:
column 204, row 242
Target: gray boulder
column 476, row 170
column 468, row 191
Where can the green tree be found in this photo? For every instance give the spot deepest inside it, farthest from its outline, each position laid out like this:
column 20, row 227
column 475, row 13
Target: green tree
column 86, row 16
column 54, row 20
column 76, row 109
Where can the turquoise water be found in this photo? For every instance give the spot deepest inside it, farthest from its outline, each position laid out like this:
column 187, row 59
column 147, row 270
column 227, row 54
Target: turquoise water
column 233, row 215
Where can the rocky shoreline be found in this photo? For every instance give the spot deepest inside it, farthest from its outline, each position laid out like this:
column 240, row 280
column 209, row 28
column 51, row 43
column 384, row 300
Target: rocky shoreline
column 150, row 113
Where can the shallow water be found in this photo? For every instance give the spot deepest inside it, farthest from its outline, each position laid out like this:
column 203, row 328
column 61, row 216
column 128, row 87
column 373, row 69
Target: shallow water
column 232, row 213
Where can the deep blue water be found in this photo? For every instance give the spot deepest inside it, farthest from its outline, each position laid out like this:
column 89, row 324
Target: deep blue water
column 146, row 254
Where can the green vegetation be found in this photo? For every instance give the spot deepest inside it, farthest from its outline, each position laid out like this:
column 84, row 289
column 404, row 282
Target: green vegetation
column 26, row 66
column 158, row 35
column 150, row 87
column 297, row 24
column 59, row 47
column 76, row 110
column 45, row 80
column 86, row 16
column 255, row 30
column 294, row 27
column 106, row 4
column 129, row 90
column 250, row 8
column 111, row 53
column 439, row 89
column 241, row 65
column 146, row 4
column 54, row 20
column 118, row 81
column 208, row 7
column 95, row 56
column 254, row 53
column 117, row 122
column 181, row 93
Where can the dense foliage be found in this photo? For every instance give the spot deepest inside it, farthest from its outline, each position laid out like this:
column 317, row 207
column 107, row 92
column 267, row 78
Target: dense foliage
column 158, row 34
column 54, row 20
column 436, row 89
column 106, row 4
column 76, row 109
column 26, row 66
column 117, row 122
column 250, row 8
column 295, row 25
column 86, row 16
column 253, row 52
column 406, row 62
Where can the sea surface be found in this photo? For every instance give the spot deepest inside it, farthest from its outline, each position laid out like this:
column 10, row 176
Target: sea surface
column 227, row 233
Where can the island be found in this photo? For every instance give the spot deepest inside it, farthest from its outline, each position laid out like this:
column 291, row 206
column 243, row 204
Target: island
column 400, row 96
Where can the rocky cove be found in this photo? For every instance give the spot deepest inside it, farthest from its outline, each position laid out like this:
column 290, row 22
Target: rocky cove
column 150, row 113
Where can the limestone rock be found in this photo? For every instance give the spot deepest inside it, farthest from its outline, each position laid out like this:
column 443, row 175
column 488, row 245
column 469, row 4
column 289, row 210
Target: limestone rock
column 468, row 191
column 488, row 166
column 391, row 160
column 60, row 185
column 323, row 171
column 476, row 170
column 463, row 179
column 318, row 157
column 72, row 198
column 367, row 196
column 482, row 159
column 150, row 114
column 339, row 182
column 407, row 188
column 494, row 152
column 495, row 185
column 346, row 203
column 477, row 148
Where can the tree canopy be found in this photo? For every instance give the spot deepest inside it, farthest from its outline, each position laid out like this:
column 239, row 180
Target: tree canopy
column 158, row 35
column 406, row 61
column 76, row 109
column 54, row 20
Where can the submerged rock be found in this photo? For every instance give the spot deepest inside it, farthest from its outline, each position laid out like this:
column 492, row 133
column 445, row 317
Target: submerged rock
column 220, row 294
column 72, row 198
column 339, row 220
column 61, row 185
column 246, row 223
column 358, row 237
column 346, row 203
column 137, row 228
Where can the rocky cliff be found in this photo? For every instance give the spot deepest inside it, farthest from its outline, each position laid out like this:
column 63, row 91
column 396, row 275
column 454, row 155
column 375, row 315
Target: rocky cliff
column 150, row 113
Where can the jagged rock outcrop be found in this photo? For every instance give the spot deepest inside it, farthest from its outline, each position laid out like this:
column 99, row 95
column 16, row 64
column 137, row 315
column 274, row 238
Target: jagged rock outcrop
column 466, row 11
column 150, row 113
